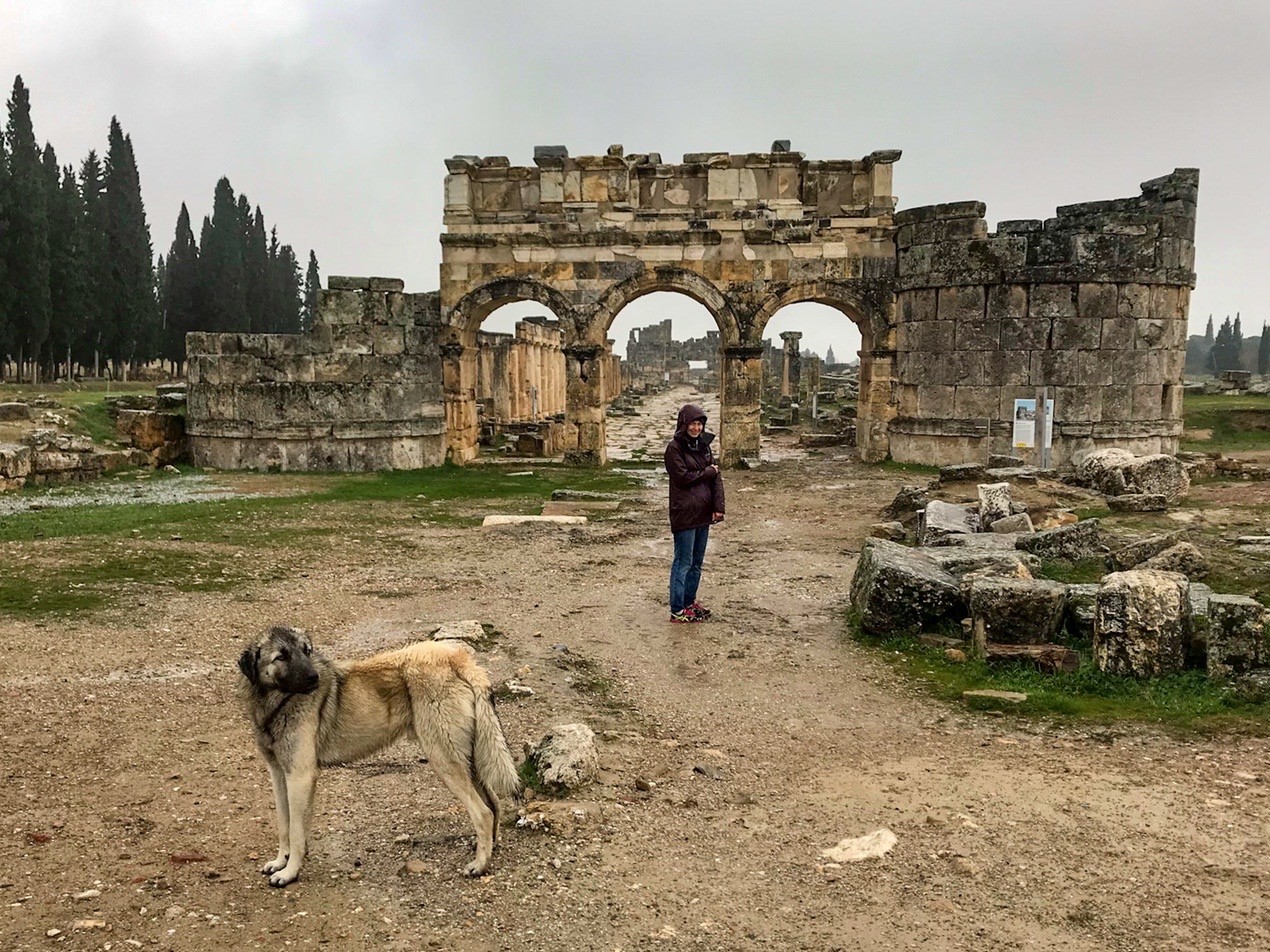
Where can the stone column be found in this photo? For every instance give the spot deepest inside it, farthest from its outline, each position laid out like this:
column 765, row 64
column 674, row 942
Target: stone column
column 740, row 392
column 458, row 383
column 791, row 376
column 876, row 406
column 584, row 420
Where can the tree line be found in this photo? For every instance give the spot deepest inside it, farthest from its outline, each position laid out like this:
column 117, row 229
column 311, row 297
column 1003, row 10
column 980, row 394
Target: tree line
column 1225, row 347
column 80, row 291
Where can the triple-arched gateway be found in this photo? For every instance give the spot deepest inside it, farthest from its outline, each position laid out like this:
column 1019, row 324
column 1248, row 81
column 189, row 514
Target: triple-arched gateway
column 956, row 322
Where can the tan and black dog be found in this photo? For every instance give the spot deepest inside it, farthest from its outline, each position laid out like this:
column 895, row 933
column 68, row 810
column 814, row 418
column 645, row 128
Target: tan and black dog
column 310, row 712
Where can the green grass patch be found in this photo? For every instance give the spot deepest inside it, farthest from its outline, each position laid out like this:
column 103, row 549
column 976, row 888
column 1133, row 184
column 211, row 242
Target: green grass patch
column 84, row 582
column 1189, row 701
column 917, row 469
column 1074, row 573
column 1236, row 423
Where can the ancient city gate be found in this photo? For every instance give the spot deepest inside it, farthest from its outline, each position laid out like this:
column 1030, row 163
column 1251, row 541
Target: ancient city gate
column 743, row 235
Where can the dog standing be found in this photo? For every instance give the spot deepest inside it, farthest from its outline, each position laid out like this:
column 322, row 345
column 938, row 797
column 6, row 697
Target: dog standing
column 310, row 712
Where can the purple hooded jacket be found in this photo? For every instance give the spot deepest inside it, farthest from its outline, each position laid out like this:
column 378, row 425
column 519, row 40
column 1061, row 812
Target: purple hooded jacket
column 696, row 491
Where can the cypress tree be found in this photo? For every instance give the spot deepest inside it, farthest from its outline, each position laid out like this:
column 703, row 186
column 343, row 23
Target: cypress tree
column 181, row 304
column 312, row 284
column 291, row 297
column 222, row 278
column 131, row 325
column 1237, row 346
column 1208, row 334
column 97, row 273
column 256, row 269
column 6, row 326
column 27, row 242
column 67, row 280
column 1263, row 351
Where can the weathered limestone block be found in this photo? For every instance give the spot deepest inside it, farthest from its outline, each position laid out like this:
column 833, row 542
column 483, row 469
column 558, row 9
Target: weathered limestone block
column 1198, row 595
column 1140, row 623
column 1103, row 470
column 1135, row 553
column 1159, row 474
column 1070, row 543
column 1183, row 557
column 14, row 411
column 1138, row 502
column 941, row 519
column 1019, row 522
column 566, row 758
column 894, row 531
column 960, row 472
column 898, row 590
column 148, row 430
column 908, row 502
column 15, row 460
column 1018, row 612
column 1236, row 634
column 1081, row 605
column 963, row 562
column 994, row 503
column 56, row 461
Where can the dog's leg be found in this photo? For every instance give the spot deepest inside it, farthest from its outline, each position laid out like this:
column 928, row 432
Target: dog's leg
column 455, row 775
column 282, row 816
column 301, row 781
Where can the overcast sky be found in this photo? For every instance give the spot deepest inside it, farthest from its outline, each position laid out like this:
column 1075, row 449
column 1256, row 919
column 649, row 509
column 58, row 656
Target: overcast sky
column 335, row 118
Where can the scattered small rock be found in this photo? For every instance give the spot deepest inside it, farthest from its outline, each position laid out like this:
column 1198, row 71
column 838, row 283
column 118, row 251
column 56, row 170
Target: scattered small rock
column 872, row 846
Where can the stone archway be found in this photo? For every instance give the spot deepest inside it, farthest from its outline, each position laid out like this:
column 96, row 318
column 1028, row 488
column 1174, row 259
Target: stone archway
column 459, row 351
column 872, row 311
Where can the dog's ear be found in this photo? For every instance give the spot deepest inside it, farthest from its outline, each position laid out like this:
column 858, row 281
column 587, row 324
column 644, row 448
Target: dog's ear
column 247, row 663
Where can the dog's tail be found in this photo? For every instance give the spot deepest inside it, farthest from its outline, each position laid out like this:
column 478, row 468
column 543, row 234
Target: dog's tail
column 495, row 768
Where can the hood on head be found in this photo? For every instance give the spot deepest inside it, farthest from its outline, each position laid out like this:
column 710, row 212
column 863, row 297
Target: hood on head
column 688, row 413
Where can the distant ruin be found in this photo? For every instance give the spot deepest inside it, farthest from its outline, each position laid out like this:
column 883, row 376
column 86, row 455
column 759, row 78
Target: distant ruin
column 956, row 321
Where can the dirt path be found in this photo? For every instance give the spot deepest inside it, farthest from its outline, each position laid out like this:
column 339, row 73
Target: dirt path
column 124, row 754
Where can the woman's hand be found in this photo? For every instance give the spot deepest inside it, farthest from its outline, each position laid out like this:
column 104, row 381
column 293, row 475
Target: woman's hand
column 718, row 517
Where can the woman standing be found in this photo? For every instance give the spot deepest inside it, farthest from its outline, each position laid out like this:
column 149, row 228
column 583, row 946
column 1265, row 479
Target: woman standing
column 696, row 503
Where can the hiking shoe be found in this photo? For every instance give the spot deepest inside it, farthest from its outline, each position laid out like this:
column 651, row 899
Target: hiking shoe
column 696, row 608
column 684, row 617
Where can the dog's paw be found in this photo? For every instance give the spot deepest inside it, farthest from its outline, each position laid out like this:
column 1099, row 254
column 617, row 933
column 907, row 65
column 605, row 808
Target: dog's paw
column 474, row 869
column 284, row 877
column 274, row 865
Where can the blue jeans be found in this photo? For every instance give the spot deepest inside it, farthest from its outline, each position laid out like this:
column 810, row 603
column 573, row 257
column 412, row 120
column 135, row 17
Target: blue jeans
column 685, row 570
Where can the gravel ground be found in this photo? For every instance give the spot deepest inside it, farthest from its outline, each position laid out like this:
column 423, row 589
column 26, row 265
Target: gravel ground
column 124, row 491
column 130, row 780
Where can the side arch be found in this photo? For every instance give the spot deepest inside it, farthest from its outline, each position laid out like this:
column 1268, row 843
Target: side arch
column 854, row 303
column 477, row 304
column 682, row 280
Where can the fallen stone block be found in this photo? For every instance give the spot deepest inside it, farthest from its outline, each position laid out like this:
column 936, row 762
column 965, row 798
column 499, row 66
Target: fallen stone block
column 887, row 530
column 1140, row 623
column 1001, row 461
column 1052, row 659
column 1138, row 502
column 872, row 846
column 149, row 430
column 939, row 520
column 1018, row 612
column 1159, row 474
column 1197, row 631
column 908, row 502
column 994, row 502
column 961, row 473
column 1236, row 634
column 1014, row 474
column 1134, row 553
column 899, row 590
column 11, row 412
column 521, row 520
column 1182, row 557
column 469, row 631
column 1069, row 543
column 566, row 758
column 1103, row 470
column 15, row 460
column 963, row 562
column 1020, row 522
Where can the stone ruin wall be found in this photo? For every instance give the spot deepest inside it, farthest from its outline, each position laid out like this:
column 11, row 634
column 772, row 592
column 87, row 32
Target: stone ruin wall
column 1091, row 303
column 361, row 391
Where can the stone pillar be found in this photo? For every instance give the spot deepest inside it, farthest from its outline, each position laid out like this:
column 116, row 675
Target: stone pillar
column 740, row 392
column 458, row 383
column 791, row 376
column 584, row 420
column 875, row 407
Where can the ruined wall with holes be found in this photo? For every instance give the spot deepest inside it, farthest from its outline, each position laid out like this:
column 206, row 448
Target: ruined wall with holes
column 1091, row 303
column 361, row 391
